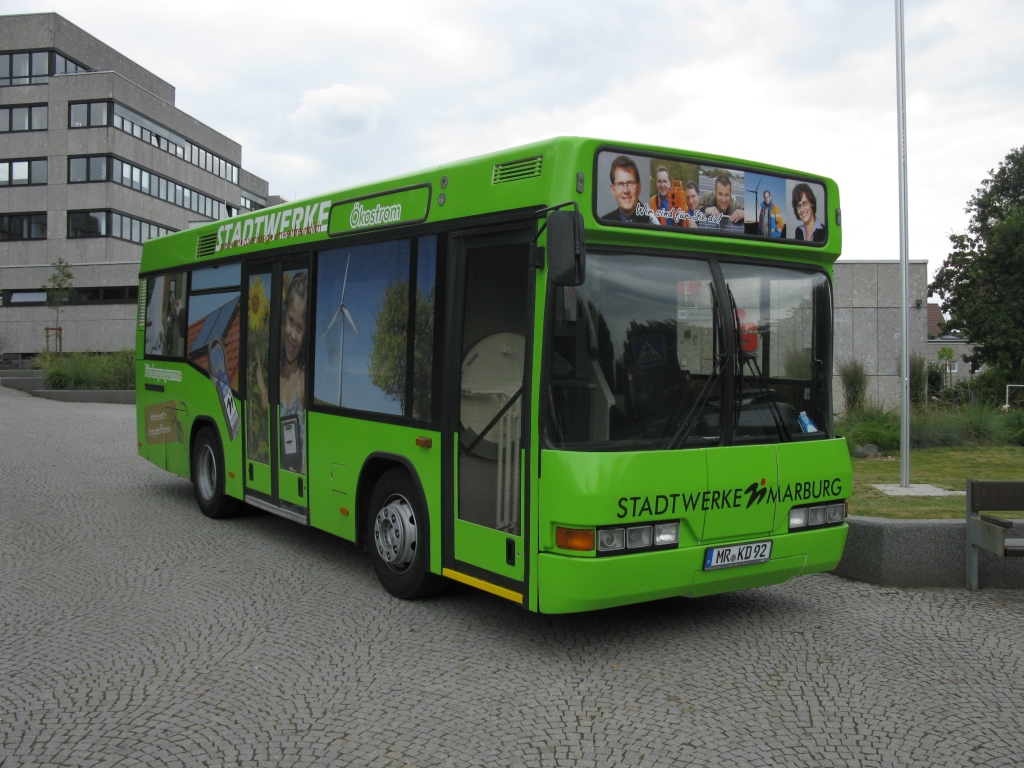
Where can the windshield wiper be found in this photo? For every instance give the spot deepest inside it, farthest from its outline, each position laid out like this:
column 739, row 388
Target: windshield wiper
column 751, row 359
column 686, row 426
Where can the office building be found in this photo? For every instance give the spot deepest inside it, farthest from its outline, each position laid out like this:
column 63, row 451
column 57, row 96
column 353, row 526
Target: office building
column 95, row 159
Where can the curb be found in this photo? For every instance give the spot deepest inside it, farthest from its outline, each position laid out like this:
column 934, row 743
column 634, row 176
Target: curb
column 921, row 553
column 123, row 396
column 23, row 383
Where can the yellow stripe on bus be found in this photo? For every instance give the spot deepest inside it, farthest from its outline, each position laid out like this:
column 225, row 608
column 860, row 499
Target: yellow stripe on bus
column 494, row 589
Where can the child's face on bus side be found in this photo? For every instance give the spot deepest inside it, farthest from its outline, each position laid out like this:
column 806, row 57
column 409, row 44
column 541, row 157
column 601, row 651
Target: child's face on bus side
column 294, row 328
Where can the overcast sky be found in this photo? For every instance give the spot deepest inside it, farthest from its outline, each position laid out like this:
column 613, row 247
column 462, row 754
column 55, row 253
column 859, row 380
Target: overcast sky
column 323, row 95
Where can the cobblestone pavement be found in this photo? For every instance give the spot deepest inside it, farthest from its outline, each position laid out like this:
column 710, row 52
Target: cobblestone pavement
column 135, row 632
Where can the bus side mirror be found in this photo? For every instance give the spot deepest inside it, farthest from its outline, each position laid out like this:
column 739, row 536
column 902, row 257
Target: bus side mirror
column 566, row 248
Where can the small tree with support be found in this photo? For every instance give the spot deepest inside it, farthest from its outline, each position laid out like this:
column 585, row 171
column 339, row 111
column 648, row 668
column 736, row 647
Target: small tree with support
column 57, row 294
column 946, row 356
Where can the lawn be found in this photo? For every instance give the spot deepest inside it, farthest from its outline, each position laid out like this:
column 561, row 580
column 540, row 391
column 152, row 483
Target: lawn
column 946, row 468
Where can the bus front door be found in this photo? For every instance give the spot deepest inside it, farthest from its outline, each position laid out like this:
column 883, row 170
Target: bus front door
column 277, row 343
column 490, row 349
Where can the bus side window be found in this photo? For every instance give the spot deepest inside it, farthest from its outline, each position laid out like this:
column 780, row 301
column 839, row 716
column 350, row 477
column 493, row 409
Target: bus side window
column 426, row 307
column 166, row 316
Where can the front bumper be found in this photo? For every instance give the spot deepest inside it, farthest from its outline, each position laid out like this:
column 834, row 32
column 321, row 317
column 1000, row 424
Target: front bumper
column 569, row 584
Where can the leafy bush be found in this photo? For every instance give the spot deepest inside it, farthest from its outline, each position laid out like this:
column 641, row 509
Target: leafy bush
column 982, row 423
column 935, row 428
column 871, row 424
column 89, row 370
column 1013, row 424
column 918, row 380
column 854, row 381
column 988, row 387
column 936, row 379
column 121, row 370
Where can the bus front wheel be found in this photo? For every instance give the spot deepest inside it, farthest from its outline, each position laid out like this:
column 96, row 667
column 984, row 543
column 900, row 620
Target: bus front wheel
column 208, row 476
column 398, row 538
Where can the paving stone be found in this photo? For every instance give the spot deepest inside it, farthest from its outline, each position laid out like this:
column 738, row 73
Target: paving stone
column 135, row 632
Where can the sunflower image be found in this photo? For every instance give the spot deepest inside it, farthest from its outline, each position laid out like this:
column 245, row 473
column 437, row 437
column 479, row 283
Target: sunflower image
column 259, row 306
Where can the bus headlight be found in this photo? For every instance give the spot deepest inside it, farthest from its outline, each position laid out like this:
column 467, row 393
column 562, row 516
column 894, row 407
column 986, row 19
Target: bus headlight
column 633, row 539
column 666, row 533
column 832, row 513
column 639, row 537
column 610, row 539
column 798, row 517
column 836, row 513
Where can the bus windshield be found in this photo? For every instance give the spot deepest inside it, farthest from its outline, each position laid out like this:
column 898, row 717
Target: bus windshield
column 648, row 354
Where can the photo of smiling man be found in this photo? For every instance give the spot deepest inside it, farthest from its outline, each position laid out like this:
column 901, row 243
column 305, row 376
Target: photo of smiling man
column 626, row 190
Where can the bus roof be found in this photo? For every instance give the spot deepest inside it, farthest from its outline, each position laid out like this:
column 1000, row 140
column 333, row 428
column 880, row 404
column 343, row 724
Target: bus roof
column 556, row 171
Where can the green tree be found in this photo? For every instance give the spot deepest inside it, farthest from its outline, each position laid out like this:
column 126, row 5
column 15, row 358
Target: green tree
column 946, row 356
column 981, row 282
column 388, row 359
column 60, row 283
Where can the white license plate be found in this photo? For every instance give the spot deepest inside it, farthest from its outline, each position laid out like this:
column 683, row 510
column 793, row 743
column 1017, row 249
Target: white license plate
column 737, row 554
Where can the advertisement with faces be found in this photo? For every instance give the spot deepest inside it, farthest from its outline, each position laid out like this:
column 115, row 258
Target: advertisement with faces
column 651, row 191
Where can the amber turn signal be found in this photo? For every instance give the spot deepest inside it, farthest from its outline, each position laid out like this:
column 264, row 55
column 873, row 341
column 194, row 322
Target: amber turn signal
column 424, row 442
column 581, row 540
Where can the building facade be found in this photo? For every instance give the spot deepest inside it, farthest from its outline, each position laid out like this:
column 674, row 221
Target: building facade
column 95, row 159
column 868, row 328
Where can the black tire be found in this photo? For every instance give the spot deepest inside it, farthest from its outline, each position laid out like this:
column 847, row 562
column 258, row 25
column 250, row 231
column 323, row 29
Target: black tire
column 398, row 538
column 208, row 476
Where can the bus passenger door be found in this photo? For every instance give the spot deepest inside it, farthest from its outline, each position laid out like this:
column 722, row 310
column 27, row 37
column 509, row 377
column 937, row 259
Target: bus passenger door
column 489, row 354
column 277, row 343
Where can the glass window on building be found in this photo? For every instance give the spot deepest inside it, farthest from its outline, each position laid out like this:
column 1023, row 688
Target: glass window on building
column 78, row 170
column 97, row 169
column 87, row 224
column 38, row 172
column 19, row 69
column 40, row 66
column 98, row 113
column 19, row 118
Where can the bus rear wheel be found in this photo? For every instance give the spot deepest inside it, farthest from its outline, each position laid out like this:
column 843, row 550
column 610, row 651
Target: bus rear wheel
column 208, row 476
column 398, row 538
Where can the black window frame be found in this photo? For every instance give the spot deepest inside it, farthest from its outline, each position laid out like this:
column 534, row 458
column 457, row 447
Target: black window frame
column 31, row 107
column 34, row 217
column 114, row 169
column 121, row 217
column 32, row 165
column 53, row 66
column 118, row 294
column 87, row 105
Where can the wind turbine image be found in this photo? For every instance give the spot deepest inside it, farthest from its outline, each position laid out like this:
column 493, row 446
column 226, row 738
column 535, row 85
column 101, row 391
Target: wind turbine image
column 342, row 310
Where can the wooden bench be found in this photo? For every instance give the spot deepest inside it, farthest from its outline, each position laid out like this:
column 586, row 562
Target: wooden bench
column 985, row 531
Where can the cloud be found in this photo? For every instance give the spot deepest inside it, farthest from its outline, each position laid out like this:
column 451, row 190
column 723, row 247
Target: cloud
column 345, row 94
column 340, row 110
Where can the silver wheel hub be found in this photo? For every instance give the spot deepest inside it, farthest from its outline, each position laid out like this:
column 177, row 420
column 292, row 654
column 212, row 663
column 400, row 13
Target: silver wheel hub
column 394, row 533
column 206, row 468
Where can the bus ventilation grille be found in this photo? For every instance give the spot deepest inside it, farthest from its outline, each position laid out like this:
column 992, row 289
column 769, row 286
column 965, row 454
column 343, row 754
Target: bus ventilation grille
column 206, row 245
column 142, row 303
column 517, row 170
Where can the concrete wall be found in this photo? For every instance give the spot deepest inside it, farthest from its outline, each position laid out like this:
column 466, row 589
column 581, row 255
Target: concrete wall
column 922, row 553
column 867, row 323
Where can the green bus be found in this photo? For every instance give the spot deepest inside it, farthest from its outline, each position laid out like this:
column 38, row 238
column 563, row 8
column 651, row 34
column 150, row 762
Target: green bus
column 575, row 374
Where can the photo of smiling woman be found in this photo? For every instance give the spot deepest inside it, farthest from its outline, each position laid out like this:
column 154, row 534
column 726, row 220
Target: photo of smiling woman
column 292, row 414
column 805, row 206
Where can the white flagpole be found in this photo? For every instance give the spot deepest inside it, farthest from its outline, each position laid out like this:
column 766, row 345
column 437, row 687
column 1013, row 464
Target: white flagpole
column 901, row 116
